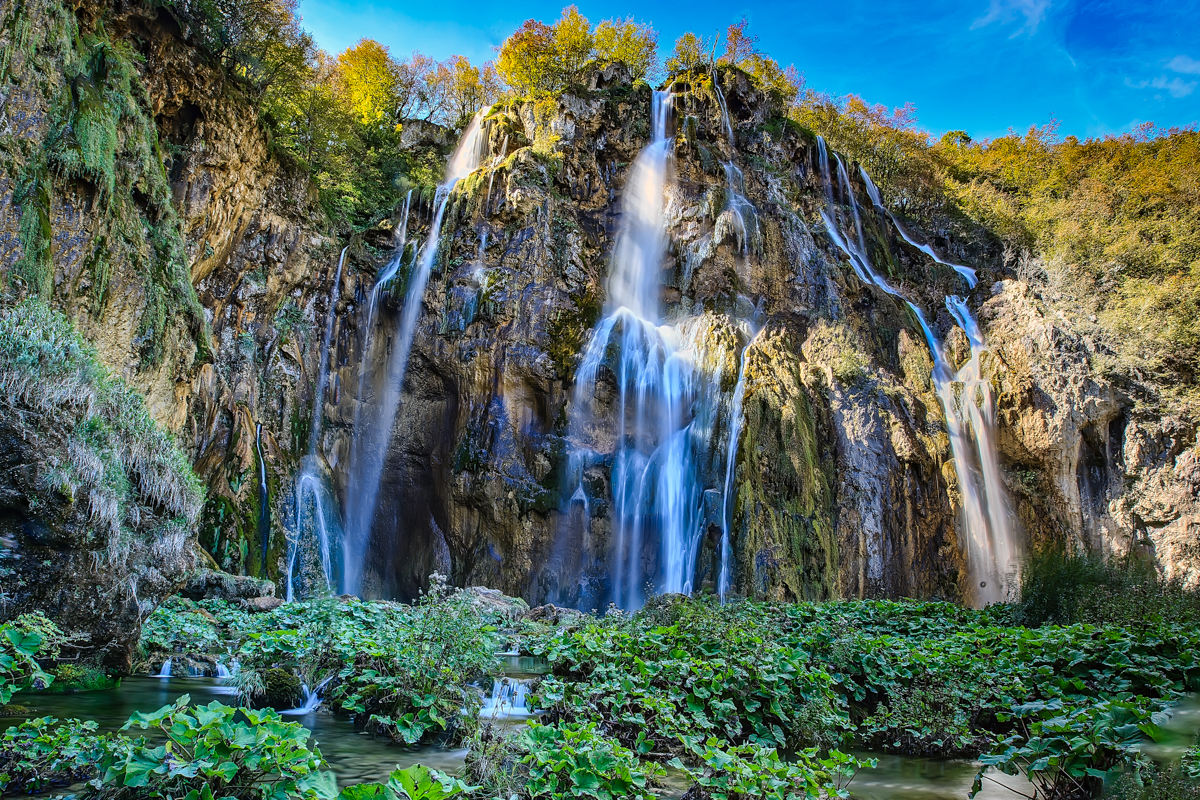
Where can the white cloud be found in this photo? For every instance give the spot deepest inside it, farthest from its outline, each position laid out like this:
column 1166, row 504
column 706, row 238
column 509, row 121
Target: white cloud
column 1005, row 11
column 1176, row 87
column 1184, row 64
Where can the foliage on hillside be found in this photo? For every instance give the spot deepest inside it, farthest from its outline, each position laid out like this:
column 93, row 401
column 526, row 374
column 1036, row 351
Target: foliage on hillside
column 113, row 457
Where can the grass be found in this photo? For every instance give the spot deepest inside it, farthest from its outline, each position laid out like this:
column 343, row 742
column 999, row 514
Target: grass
column 101, row 447
column 1061, row 587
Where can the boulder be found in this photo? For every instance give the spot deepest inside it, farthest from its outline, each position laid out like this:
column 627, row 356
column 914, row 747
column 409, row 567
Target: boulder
column 210, row 584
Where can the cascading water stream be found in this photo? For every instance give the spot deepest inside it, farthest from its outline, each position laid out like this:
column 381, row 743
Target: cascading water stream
column 736, row 421
column 311, row 491
column 993, row 550
column 264, row 517
column 312, row 699
column 372, row 438
column 872, row 191
column 656, row 494
column 165, row 670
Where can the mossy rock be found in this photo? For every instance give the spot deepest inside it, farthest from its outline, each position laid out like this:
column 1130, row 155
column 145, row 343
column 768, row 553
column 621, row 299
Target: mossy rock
column 281, row 690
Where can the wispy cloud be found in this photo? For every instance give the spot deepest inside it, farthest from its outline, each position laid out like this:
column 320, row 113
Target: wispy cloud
column 1176, row 87
column 1006, row 11
column 1184, row 64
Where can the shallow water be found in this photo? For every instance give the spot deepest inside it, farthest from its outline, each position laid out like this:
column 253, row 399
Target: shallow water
column 353, row 756
column 904, row 778
column 358, row 758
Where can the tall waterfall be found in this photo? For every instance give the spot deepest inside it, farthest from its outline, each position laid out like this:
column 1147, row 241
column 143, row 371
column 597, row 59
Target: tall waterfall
column 656, row 494
column 993, row 547
column 314, row 527
column 736, row 421
column 371, row 436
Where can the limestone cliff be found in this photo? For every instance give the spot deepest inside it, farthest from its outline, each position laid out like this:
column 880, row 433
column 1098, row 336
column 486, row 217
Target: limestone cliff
column 200, row 266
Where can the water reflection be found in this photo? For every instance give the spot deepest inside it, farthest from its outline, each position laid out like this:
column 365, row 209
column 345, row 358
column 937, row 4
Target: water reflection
column 904, row 778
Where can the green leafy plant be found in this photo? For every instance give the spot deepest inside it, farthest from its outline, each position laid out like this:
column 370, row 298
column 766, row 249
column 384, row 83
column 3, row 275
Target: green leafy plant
column 239, row 753
column 567, row 760
column 19, row 667
column 749, row 771
column 44, row 753
column 1069, row 753
column 413, row 783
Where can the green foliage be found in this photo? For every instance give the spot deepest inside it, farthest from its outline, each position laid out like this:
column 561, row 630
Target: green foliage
column 574, row 760
column 20, row 643
column 81, row 677
column 1062, row 587
column 403, row 669
column 45, row 753
column 116, row 457
column 213, row 750
column 1070, row 752
column 414, row 783
column 751, row 771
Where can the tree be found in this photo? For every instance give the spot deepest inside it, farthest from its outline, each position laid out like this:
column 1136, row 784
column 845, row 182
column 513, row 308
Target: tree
column 573, row 42
column 781, row 85
column 368, row 77
column 691, row 52
column 739, row 45
column 633, row 44
column 526, row 60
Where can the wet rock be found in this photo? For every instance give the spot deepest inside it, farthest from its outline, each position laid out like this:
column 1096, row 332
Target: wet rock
column 214, row 585
column 261, row 605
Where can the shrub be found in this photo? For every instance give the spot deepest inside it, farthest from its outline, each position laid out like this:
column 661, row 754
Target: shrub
column 229, row 752
column 20, row 643
column 44, row 753
column 1062, row 587
column 574, row 760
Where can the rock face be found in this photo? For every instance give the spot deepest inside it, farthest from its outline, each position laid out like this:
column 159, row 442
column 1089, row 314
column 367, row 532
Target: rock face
column 843, row 481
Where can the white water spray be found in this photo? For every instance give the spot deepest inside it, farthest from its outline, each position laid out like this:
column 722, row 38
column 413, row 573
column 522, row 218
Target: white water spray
column 310, row 492
column 312, row 699
column 370, row 447
column 737, row 420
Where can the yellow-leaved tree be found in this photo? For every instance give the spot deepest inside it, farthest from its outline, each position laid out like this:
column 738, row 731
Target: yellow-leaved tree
column 369, row 80
column 527, row 59
column 633, row 44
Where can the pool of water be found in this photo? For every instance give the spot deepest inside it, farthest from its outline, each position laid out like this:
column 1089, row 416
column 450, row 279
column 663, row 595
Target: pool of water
column 359, row 758
column 904, row 778
column 353, row 756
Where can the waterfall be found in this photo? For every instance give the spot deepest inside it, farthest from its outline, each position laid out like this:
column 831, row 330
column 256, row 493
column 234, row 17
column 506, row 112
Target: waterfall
column 264, row 518
column 736, row 421
column 372, row 437
column 312, row 699
column 310, row 491
column 993, row 548
column 223, row 678
column 491, row 178
column 507, row 701
column 872, row 191
column 165, row 670
column 741, row 208
column 724, row 108
column 656, row 492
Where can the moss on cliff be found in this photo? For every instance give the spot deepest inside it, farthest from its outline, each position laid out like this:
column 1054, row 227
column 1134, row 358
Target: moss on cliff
column 94, row 132
column 784, row 505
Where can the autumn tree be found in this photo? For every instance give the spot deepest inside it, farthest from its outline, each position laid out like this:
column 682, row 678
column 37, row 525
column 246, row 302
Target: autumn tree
column 633, row 44
column 739, row 45
column 527, row 59
column 691, row 52
column 368, row 77
column 572, row 43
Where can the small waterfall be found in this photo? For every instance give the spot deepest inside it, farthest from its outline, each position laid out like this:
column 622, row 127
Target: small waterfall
column 264, row 514
column 742, row 209
column 310, row 492
column 371, row 439
column 223, row 677
column 993, row 549
column 507, row 701
column 165, row 670
column 312, row 699
column 967, row 273
column 720, row 93
column 736, row 421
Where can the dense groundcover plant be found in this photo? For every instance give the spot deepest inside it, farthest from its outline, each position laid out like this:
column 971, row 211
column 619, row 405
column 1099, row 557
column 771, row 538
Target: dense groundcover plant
column 744, row 700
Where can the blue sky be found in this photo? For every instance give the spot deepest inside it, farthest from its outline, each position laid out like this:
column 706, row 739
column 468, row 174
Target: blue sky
column 1098, row 66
